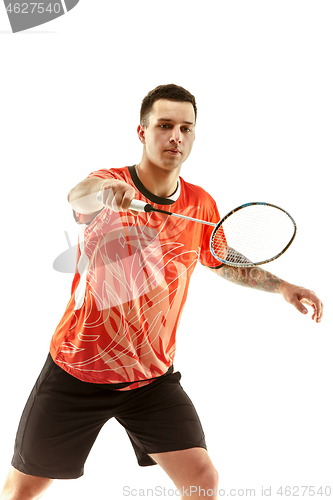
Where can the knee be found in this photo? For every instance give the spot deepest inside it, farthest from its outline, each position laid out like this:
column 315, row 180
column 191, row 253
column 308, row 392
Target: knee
column 15, row 493
column 208, row 478
column 19, row 486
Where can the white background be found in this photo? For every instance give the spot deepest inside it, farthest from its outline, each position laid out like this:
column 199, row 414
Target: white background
column 259, row 373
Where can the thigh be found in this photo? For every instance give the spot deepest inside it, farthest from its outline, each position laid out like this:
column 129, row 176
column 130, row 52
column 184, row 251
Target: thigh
column 186, row 467
column 161, row 418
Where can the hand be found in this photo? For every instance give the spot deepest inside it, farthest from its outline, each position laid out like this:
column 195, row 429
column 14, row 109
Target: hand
column 117, row 195
column 298, row 296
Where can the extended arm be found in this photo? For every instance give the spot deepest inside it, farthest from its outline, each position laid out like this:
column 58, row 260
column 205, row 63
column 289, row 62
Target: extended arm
column 115, row 194
column 260, row 279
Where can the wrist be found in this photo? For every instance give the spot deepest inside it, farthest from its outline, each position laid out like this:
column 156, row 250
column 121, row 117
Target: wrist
column 283, row 286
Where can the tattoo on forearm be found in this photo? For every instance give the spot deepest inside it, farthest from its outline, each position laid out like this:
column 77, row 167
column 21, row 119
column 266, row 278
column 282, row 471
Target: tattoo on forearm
column 252, row 277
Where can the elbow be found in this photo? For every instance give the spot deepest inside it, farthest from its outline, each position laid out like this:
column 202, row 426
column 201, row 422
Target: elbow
column 70, row 196
column 74, row 194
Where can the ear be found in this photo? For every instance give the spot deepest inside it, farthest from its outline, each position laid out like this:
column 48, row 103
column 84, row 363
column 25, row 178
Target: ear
column 141, row 133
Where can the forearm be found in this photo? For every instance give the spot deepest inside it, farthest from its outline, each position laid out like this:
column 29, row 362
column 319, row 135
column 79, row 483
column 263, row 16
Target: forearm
column 251, row 277
column 260, row 279
column 82, row 197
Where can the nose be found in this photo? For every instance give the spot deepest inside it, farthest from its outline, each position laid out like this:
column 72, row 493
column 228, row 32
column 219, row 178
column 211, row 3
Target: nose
column 175, row 135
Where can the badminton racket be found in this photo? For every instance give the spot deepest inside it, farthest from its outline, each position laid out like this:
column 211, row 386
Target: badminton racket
column 250, row 235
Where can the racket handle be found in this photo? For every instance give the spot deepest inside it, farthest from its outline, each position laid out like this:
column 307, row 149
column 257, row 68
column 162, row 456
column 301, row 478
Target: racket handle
column 139, row 206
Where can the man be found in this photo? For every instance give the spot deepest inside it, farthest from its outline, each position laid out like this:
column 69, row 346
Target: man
column 113, row 350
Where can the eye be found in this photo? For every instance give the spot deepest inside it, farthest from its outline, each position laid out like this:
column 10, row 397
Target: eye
column 164, row 126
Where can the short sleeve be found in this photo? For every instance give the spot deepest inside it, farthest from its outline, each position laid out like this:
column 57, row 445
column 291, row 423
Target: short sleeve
column 103, row 174
column 206, row 257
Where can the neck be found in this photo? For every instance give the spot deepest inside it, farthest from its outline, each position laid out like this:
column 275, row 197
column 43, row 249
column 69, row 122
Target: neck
column 161, row 182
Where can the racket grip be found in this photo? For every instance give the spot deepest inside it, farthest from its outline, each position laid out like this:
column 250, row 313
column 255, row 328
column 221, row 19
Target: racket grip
column 138, row 205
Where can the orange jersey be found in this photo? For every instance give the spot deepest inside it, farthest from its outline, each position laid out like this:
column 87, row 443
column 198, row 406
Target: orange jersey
column 130, row 285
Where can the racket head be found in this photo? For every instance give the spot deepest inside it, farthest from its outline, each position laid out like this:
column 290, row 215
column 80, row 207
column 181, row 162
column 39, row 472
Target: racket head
column 252, row 234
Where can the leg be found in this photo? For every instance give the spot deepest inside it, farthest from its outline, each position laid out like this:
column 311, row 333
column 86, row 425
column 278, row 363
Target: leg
column 192, row 472
column 19, row 486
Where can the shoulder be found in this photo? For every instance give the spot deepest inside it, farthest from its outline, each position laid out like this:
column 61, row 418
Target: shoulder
column 111, row 173
column 195, row 192
column 198, row 197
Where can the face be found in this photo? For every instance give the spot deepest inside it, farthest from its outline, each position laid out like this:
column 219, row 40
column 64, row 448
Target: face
column 169, row 137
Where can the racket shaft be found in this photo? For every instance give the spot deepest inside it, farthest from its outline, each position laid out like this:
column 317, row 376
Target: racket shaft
column 191, row 218
column 141, row 206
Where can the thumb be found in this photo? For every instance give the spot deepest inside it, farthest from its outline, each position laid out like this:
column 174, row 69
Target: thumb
column 294, row 300
column 299, row 306
column 134, row 212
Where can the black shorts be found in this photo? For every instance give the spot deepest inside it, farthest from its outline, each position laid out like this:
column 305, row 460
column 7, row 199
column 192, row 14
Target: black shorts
column 64, row 415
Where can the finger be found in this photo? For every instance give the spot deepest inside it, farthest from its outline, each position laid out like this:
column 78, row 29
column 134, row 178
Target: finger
column 117, row 201
column 122, row 200
column 317, row 307
column 299, row 306
column 105, row 195
column 128, row 196
column 108, row 198
column 319, row 312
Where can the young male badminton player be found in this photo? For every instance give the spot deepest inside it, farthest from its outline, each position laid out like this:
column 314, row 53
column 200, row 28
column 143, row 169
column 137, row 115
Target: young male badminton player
column 112, row 352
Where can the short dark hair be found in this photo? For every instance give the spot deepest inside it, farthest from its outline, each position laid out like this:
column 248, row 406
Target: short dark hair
column 171, row 92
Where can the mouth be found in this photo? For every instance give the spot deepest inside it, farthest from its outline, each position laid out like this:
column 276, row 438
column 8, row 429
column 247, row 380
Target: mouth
column 173, row 151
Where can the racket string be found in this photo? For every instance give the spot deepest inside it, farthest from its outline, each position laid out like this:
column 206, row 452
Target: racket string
column 254, row 233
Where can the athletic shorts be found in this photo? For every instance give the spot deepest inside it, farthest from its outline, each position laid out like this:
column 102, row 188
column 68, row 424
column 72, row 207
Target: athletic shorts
column 64, row 415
